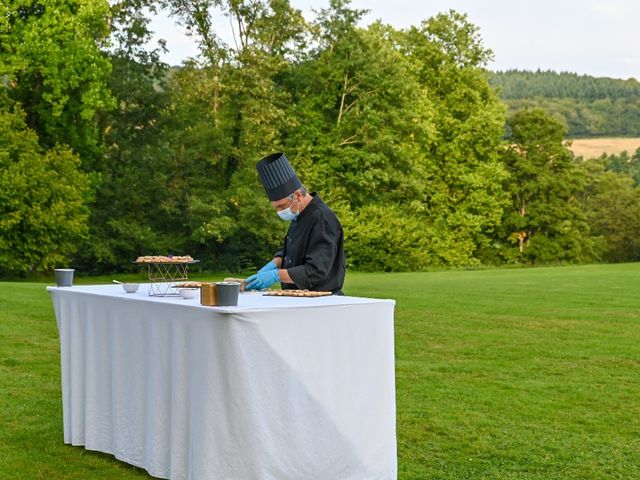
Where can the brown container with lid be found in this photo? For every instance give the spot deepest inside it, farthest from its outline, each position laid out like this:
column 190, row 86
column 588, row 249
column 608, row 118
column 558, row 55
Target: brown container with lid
column 209, row 294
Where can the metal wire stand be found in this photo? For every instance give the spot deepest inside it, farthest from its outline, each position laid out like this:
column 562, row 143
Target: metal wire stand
column 163, row 277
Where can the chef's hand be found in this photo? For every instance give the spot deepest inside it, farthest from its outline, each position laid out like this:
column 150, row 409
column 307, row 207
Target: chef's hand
column 262, row 280
column 269, row 266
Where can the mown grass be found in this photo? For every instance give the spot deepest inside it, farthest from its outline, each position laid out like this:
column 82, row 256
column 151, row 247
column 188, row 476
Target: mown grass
column 501, row 374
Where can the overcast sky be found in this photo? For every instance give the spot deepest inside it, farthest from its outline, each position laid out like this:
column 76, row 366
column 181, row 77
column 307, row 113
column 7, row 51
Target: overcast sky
column 594, row 37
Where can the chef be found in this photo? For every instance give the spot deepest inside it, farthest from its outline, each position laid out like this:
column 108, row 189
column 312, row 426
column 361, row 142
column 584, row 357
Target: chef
column 312, row 254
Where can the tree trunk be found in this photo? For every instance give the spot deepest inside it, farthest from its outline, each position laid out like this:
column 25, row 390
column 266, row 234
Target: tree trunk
column 522, row 236
column 344, row 95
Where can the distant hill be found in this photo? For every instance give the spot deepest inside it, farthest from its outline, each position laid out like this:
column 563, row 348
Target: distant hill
column 589, row 106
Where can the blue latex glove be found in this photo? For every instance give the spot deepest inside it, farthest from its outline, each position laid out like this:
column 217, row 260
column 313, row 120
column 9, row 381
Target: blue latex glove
column 269, row 266
column 262, row 280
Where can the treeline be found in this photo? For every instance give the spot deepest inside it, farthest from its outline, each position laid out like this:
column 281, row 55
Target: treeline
column 106, row 154
column 523, row 84
column 588, row 106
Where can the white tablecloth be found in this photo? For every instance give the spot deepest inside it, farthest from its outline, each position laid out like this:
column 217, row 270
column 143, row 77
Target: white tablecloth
column 274, row 389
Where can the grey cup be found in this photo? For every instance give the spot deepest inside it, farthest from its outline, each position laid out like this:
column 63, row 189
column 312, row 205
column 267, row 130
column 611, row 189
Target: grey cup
column 64, row 277
column 228, row 293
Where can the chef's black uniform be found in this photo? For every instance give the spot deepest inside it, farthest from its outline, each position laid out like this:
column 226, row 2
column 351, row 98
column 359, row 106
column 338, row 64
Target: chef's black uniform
column 313, row 251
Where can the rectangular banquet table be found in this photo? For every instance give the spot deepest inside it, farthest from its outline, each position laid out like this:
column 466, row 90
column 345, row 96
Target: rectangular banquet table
column 276, row 388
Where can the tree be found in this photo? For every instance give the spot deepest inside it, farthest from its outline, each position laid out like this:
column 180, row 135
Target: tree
column 612, row 206
column 43, row 200
column 139, row 205
column 625, row 164
column 228, row 112
column 363, row 128
column 361, row 116
column 362, row 121
column 53, row 65
column 464, row 198
column 53, row 73
column 545, row 220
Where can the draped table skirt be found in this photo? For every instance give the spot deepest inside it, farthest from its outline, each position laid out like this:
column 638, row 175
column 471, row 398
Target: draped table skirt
column 276, row 388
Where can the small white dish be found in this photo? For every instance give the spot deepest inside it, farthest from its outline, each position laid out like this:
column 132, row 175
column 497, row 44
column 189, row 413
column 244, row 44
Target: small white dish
column 188, row 293
column 130, row 287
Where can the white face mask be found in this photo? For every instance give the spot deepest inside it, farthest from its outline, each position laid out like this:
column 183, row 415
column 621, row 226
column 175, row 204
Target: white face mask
column 286, row 214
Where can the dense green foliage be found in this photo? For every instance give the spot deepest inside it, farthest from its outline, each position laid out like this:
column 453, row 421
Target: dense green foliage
column 588, row 106
column 612, row 203
column 519, row 373
column 42, row 199
column 544, row 218
column 53, row 63
column 400, row 131
column 522, row 84
column 53, row 75
column 624, row 164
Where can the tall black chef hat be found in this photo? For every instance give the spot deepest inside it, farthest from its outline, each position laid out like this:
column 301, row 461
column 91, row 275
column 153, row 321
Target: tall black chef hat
column 277, row 177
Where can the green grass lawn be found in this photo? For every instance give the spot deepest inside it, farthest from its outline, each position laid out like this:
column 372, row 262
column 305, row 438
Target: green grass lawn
column 504, row 373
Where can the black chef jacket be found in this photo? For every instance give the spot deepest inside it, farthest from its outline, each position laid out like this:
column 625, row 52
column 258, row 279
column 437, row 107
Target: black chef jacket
column 313, row 250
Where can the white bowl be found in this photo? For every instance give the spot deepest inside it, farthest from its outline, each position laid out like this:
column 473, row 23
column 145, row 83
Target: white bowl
column 188, row 293
column 130, row 287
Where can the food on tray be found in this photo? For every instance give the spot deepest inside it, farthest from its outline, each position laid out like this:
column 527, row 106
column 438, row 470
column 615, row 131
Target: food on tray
column 241, row 281
column 164, row 259
column 296, row 293
column 187, row 285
